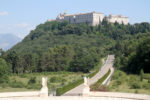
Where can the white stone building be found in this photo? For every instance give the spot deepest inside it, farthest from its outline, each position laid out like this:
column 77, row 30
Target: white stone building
column 118, row 18
column 92, row 18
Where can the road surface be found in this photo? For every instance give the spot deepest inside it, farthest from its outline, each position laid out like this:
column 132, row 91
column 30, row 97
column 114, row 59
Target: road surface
column 103, row 70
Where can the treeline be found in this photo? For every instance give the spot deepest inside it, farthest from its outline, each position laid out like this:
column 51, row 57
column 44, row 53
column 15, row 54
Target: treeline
column 62, row 58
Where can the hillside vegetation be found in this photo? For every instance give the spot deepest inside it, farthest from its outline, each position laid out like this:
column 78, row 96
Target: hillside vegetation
column 55, row 46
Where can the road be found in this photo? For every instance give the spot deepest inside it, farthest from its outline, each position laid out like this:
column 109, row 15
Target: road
column 103, row 70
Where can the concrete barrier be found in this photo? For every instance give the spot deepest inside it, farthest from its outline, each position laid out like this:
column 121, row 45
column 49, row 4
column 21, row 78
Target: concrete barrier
column 120, row 95
column 19, row 94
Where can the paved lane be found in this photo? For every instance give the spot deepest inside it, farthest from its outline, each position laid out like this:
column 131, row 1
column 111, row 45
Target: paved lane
column 104, row 69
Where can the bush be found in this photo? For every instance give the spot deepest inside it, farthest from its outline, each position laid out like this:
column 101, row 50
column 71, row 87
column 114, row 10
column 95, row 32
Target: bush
column 4, row 85
column 146, row 86
column 136, row 91
column 119, row 82
column 135, row 85
column 23, row 75
column 16, row 84
column 32, row 80
column 55, row 79
column 35, row 86
column 119, row 75
column 102, row 88
column 134, row 79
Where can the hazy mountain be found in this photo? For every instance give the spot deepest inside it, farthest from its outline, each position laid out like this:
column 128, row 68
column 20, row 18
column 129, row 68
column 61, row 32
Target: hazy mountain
column 8, row 40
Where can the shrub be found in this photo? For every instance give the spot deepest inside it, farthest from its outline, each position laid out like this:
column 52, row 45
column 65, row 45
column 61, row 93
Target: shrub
column 134, row 79
column 16, row 84
column 55, row 79
column 136, row 91
column 146, row 86
column 32, row 80
column 4, row 85
column 135, row 85
column 119, row 75
column 23, row 75
column 102, row 88
column 119, row 82
column 35, row 86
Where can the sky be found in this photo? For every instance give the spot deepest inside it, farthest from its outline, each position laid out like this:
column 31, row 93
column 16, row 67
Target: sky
column 19, row 17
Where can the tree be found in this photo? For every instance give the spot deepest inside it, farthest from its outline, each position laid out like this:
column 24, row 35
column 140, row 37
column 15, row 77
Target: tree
column 83, row 61
column 3, row 71
column 141, row 59
column 12, row 58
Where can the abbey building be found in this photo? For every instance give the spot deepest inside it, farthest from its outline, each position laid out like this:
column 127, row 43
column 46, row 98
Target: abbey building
column 92, row 18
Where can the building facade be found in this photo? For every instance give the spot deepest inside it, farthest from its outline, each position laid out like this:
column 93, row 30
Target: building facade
column 118, row 18
column 92, row 18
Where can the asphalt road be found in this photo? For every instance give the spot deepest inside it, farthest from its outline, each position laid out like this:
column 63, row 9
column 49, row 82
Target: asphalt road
column 103, row 70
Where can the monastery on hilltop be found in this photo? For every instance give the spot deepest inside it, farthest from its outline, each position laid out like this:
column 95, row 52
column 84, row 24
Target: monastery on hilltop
column 92, row 18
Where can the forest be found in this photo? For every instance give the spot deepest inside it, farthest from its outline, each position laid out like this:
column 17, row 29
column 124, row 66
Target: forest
column 55, row 46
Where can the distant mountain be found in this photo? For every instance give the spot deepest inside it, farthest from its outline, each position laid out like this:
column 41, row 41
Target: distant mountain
column 8, row 40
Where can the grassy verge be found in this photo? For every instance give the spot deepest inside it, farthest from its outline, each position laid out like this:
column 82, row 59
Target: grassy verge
column 122, row 82
column 97, row 85
column 32, row 81
column 62, row 90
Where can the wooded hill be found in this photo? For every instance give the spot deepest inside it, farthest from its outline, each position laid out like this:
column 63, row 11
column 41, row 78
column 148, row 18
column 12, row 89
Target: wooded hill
column 55, row 46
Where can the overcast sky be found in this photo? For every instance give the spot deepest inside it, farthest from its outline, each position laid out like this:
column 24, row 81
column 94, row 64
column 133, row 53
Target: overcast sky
column 18, row 17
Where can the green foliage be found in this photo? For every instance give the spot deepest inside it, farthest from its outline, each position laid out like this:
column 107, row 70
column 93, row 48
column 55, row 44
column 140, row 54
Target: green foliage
column 55, row 79
column 97, row 85
column 72, row 85
column 55, row 46
column 16, row 84
column 146, row 76
column 97, row 67
column 32, row 80
column 141, row 60
column 132, row 56
column 68, row 87
column 135, row 85
column 141, row 75
column 83, row 61
column 123, row 82
column 3, row 71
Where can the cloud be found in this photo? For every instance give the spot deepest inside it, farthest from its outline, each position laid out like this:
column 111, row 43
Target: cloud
column 23, row 29
column 22, row 25
column 18, row 29
column 4, row 13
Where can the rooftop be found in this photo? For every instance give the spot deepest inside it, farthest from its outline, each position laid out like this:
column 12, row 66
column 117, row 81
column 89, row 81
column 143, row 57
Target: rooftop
column 82, row 13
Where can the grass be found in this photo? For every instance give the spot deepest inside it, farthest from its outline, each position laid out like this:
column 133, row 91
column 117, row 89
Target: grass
column 62, row 80
column 122, row 82
column 55, row 80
